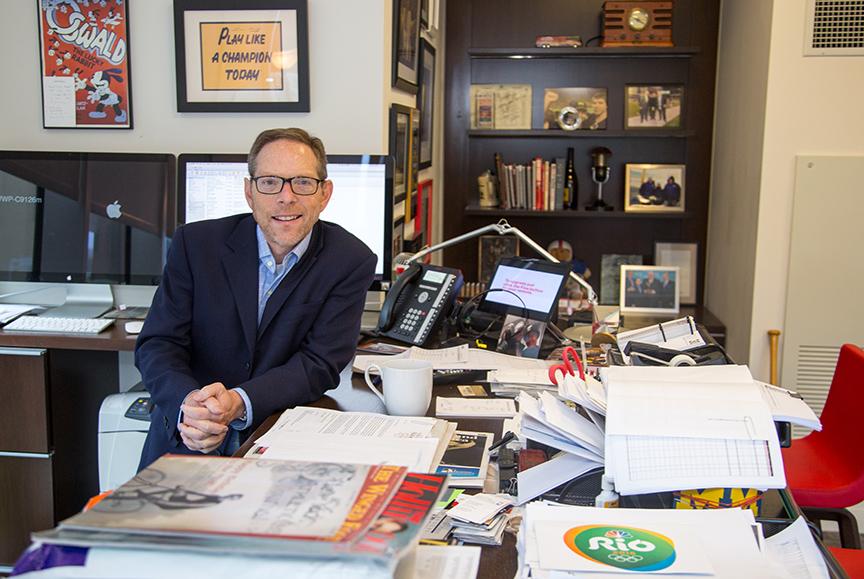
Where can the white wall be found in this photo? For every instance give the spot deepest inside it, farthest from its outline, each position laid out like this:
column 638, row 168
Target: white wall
column 737, row 167
column 349, row 63
column 814, row 108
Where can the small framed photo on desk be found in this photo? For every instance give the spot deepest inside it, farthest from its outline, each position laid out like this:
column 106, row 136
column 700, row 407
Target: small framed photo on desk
column 649, row 289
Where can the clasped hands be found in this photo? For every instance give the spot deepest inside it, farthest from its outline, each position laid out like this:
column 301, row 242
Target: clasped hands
column 206, row 415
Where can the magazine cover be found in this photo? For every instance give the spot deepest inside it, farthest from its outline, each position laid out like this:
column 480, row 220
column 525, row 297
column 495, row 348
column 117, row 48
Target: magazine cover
column 264, row 498
column 84, row 48
column 467, row 455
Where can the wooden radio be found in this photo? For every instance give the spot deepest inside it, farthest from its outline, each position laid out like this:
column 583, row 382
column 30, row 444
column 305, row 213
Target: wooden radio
column 637, row 23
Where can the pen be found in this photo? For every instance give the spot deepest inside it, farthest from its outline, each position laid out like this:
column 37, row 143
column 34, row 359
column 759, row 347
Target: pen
column 504, row 440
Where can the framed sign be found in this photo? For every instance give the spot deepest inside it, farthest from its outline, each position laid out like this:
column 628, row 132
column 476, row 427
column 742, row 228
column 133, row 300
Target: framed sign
column 254, row 59
column 406, row 44
column 491, row 248
column 84, row 49
column 400, row 149
column 427, row 101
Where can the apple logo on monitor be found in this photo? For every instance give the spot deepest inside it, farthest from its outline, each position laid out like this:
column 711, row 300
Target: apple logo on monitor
column 113, row 210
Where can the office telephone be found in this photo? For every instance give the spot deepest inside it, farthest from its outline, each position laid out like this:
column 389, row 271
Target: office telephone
column 419, row 300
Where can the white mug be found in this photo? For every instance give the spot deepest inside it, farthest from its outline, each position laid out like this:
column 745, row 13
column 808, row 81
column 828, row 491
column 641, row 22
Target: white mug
column 407, row 386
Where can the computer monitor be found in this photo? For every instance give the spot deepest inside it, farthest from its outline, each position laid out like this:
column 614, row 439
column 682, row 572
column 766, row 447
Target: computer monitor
column 211, row 186
column 85, row 218
column 526, row 287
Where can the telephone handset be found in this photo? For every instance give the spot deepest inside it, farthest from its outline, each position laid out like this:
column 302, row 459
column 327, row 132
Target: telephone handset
column 419, row 299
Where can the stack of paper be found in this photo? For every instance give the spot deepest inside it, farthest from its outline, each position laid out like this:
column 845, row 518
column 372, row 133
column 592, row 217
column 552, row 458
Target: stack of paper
column 319, row 434
column 695, row 427
column 570, row 541
column 549, row 421
column 786, row 406
column 474, row 407
column 480, row 518
column 455, row 358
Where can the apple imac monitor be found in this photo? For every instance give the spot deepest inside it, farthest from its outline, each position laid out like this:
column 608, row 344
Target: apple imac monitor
column 79, row 219
column 211, row 186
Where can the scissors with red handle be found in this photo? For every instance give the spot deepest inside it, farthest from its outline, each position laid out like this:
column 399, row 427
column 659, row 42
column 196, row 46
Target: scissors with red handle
column 566, row 368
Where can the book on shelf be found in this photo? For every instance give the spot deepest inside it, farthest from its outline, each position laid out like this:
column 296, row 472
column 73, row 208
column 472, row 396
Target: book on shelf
column 536, row 186
column 259, row 507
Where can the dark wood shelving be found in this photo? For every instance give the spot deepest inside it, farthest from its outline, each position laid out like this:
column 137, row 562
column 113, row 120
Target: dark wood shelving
column 476, row 211
column 585, row 52
column 599, row 134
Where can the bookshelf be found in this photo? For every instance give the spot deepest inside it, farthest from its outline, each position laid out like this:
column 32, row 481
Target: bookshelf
column 492, row 42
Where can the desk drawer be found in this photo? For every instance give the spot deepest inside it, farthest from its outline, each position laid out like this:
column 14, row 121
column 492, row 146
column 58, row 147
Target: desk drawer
column 24, row 407
column 26, row 503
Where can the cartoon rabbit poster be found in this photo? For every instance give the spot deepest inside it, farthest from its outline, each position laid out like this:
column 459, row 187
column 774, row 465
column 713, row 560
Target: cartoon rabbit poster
column 85, row 64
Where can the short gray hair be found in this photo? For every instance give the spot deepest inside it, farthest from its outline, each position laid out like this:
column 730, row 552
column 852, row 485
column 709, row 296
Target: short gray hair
column 291, row 134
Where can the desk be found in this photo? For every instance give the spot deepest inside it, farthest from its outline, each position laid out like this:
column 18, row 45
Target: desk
column 51, row 387
column 497, row 562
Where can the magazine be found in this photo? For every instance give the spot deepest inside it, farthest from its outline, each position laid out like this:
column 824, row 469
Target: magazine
column 467, row 458
column 280, row 514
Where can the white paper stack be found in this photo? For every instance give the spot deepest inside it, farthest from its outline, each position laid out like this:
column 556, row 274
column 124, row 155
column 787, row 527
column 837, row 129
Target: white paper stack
column 480, row 518
column 319, row 434
column 569, row 541
column 694, row 427
column 549, row 421
column 786, row 406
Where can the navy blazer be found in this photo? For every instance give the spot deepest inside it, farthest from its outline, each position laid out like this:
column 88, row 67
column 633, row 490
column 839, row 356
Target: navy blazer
column 203, row 324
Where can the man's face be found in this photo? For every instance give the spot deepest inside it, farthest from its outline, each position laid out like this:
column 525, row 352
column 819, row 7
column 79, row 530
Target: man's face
column 599, row 105
column 286, row 218
column 665, row 277
column 650, row 276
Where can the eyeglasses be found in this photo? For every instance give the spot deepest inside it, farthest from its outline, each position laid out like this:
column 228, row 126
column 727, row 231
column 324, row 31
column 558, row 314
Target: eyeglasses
column 271, row 184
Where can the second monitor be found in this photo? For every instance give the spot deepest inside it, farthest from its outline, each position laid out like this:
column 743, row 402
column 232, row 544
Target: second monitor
column 211, row 186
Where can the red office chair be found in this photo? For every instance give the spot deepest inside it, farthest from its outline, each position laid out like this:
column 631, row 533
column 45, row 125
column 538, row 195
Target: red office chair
column 852, row 561
column 825, row 470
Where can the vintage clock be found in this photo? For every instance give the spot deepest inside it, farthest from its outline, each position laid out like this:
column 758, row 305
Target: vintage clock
column 637, row 23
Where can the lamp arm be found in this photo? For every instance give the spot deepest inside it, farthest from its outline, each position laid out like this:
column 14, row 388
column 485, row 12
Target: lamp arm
column 504, row 228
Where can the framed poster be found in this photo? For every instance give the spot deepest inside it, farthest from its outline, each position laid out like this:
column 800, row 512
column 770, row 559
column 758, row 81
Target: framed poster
column 412, row 207
column 84, row 53
column 649, row 289
column 610, row 273
column 683, row 256
column 424, row 190
column 426, row 101
column 406, row 44
column 254, row 59
column 491, row 248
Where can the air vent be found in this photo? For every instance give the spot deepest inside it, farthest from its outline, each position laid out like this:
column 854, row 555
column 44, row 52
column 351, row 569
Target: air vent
column 835, row 28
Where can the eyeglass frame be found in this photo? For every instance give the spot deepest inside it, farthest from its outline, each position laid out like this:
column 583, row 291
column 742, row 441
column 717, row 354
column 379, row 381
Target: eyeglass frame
column 290, row 181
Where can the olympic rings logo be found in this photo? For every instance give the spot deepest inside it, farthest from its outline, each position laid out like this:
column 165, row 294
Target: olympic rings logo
column 625, row 558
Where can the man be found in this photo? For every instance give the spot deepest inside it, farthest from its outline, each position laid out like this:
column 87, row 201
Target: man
column 671, row 192
column 255, row 313
column 597, row 119
column 650, row 286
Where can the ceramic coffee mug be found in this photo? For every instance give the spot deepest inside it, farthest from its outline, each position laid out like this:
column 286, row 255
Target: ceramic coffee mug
column 407, row 386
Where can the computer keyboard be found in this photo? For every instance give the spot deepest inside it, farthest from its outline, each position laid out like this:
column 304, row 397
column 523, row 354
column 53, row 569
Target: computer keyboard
column 58, row 325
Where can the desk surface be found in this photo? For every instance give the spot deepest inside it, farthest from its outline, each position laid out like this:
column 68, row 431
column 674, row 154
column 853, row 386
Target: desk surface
column 497, row 562
column 113, row 339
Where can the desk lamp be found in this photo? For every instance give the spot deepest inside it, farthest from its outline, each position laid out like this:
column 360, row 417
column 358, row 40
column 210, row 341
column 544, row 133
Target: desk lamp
column 599, row 174
column 504, row 228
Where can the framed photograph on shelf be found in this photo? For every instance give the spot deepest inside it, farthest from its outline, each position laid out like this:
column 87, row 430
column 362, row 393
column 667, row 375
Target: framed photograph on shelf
column 610, row 273
column 400, row 147
column 654, row 188
column 491, row 248
column 249, row 59
column 426, row 100
column 406, row 44
column 501, row 106
column 85, row 87
column 684, row 256
column 649, row 289
column 653, row 106
column 575, row 108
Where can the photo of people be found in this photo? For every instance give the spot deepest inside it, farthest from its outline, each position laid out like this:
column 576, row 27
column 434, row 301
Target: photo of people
column 657, row 188
column 649, row 289
column 584, row 108
column 521, row 337
column 653, row 107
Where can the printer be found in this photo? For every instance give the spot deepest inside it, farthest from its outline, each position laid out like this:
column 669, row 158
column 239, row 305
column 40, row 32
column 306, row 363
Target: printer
column 123, row 423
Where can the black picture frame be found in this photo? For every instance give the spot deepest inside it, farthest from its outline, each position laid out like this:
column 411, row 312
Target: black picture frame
column 400, row 149
column 424, row 14
column 406, row 45
column 426, row 101
column 273, row 82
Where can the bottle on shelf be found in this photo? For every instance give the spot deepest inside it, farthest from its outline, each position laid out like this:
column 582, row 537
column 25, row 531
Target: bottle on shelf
column 571, row 184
